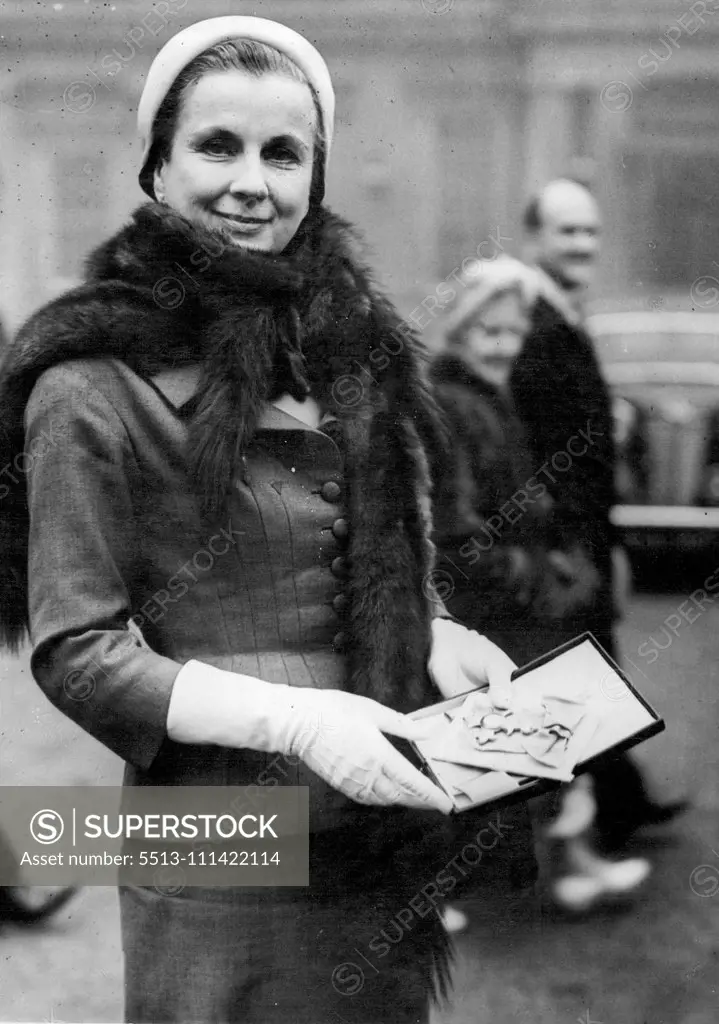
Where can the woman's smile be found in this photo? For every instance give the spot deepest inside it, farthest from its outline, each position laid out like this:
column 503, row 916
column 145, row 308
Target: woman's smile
column 243, row 225
column 240, row 218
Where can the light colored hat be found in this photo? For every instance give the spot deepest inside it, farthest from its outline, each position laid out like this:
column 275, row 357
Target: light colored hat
column 182, row 49
column 481, row 282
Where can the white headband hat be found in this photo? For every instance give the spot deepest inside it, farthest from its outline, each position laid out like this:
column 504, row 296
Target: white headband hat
column 484, row 279
column 182, row 49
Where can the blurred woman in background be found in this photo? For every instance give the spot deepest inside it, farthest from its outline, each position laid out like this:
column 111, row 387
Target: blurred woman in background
column 499, row 568
column 493, row 514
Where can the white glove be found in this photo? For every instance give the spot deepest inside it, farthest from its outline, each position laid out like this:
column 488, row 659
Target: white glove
column 460, row 658
column 338, row 735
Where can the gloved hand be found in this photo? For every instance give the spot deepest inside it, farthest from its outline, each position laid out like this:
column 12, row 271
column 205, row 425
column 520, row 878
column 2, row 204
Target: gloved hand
column 461, row 658
column 338, row 735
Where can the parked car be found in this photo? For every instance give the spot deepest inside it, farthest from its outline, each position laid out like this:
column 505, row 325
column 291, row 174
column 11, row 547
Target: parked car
column 663, row 371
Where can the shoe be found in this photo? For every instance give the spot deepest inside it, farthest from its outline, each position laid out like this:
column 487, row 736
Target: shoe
column 594, row 879
column 660, row 814
column 28, row 904
column 454, row 920
column 623, row 804
column 582, row 892
column 615, row 834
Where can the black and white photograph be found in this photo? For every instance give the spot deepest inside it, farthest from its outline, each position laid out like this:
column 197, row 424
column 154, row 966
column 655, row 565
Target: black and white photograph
column 359, row 512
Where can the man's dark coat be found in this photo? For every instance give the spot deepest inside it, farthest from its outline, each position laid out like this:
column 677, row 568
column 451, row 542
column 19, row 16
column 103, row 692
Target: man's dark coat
column 562, row 400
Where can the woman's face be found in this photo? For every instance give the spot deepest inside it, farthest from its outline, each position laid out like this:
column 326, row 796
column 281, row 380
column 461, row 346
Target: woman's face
column 241, row 157
column 494, row 337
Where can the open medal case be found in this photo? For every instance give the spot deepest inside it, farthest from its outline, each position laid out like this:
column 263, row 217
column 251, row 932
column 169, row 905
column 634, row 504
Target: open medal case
column 571, row 707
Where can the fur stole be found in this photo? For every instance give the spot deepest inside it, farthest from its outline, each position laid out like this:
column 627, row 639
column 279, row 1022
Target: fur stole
column 163, row 292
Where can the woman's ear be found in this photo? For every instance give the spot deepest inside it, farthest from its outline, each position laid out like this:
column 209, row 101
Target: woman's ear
column 158, row 184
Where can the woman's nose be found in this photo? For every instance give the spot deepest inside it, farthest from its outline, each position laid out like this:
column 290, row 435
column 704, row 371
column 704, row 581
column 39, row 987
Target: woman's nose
column 248, row 179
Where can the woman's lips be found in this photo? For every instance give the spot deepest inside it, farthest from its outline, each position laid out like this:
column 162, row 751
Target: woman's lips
column 245, row 225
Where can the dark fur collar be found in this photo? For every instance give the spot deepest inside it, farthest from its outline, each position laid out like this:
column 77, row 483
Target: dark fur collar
column 163, row 292
column 451, row 368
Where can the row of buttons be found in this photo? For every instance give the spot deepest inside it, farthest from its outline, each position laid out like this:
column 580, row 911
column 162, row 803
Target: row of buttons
column 331, row 492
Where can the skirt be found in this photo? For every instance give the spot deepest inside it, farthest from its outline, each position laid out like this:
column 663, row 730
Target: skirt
column 356, row 947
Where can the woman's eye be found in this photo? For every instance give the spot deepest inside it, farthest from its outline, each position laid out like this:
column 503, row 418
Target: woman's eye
column 217, row 147
column 281, row 154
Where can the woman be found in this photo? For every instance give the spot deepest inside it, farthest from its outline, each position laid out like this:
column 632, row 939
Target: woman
column 492, row 516
column 202, row 397
column 495, row 535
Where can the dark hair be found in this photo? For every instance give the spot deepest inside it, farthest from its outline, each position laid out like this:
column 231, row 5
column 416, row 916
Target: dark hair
column 233, row 55
column 532, row 216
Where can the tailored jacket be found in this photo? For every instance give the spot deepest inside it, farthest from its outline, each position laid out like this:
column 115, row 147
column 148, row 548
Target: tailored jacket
column 144, row 534
column 493, row 523
column 563, row 402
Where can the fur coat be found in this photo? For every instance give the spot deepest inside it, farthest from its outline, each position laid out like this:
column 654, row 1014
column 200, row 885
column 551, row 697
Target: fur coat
column 489, row 465
column 164, row 292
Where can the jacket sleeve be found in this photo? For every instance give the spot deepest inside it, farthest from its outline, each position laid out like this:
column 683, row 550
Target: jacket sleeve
column 81, row 558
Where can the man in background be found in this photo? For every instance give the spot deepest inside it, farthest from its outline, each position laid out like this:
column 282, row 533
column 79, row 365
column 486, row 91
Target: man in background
column 558, row 388
column 559, row 393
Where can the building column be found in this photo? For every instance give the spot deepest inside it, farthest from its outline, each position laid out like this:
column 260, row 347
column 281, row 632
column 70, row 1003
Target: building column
column 620, row 211
column 548, row 136
column 26, row 185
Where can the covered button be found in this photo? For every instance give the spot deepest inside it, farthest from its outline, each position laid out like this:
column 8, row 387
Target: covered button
column 331, row 490
column 339, row 640
column 340, row 528
column 339, row 602
column 339, row 566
